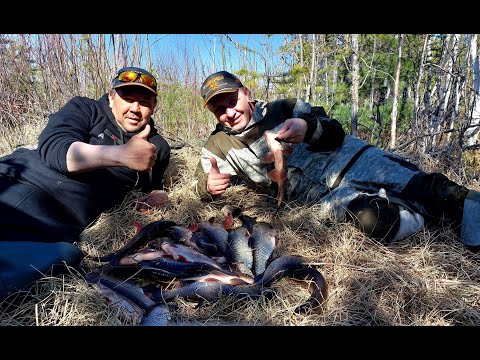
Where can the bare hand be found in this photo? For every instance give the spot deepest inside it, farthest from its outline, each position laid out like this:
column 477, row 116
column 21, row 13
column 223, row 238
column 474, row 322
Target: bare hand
column 217, row 183
column 293, row 131
column 138, row 153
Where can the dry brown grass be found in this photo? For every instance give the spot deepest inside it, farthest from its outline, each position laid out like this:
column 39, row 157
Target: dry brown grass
column 427, row 279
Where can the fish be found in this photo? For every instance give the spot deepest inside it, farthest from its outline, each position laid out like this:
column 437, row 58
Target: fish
column 158, row 316
column 276, row 154
column 217, row 234
column 185, row 253
column 128, row 311
column 154, row 313
column 184, row 235
column 240, row 250
column 220, row 276
column 263, row 241
column 210, row 292
column 149, row 232
column 142, row 255
column 298, row 268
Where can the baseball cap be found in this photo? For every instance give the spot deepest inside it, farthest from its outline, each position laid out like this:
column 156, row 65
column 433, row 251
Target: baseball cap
column 135, row 76
column 218, row 83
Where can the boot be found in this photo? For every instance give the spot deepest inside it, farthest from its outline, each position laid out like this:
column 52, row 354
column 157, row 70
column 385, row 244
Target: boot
column 470, row 230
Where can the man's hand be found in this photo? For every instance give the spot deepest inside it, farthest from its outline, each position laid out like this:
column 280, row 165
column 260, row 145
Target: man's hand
column 293, row 131
column 138, row 153
column 217, row 183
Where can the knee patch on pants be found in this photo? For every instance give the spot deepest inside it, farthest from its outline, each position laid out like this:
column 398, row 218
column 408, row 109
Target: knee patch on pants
column 375, row 216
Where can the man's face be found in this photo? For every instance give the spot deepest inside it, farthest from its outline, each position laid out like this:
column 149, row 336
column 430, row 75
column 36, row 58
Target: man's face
column 132, row 107
column 232, row 109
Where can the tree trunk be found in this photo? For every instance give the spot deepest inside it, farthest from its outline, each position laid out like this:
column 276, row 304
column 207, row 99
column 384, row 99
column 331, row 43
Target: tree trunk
column 471, row 133
column 354, row 88
column 393, row 126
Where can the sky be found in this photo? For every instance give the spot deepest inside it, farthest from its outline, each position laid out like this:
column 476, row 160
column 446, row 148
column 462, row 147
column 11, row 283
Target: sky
column 208, row 46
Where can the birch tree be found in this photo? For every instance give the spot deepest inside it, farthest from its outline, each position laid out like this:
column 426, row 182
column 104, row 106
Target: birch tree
column 471, row 134
column 393, row 126
column 355, row 81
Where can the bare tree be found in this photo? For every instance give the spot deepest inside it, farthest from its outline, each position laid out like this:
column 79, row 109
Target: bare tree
column 471, row 133
column 393, row 126
column 313, row 69
column 354, row 87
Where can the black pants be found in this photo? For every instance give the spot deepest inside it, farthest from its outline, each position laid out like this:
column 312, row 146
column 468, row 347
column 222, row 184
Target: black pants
column 440, row 198
column 36, row 234
column 29, row 214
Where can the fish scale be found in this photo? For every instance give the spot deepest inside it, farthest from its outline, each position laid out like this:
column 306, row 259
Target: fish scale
column 240, row 250
column 263, row 240
column 276, row 154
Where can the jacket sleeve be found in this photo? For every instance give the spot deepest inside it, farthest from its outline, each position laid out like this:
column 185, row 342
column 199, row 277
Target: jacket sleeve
column 323, row 133
column 71, row 123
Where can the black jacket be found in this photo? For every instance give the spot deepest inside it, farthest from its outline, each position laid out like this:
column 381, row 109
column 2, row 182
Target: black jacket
column 86, row 195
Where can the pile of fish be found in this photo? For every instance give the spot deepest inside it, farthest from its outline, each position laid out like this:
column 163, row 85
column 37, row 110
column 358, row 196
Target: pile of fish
column 199, row 263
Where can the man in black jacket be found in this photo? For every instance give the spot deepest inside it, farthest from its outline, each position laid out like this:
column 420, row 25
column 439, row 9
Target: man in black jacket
column 384, row 195
column 89, row 156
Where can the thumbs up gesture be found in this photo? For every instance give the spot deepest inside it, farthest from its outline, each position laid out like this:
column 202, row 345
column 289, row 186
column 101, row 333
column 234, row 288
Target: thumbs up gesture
column 217, row 182
column 138, row 153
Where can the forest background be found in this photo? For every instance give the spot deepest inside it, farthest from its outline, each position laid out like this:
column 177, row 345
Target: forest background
column 394, row 90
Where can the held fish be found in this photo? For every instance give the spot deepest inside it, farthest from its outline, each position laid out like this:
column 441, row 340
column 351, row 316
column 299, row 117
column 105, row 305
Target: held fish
column 277, row 152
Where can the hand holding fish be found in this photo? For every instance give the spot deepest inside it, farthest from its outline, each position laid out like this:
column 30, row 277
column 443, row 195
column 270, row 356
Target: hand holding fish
column 293, row 131
column 217, row 182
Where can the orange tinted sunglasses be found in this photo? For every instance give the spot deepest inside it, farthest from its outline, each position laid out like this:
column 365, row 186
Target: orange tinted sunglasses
column 131, row 76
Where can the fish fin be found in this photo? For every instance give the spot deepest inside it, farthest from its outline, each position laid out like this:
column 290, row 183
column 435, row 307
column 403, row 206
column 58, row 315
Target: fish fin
column 193, row 227
column 287, row 149
column 138, row 226
column 277, row 175
column 268, row 158
column 238, row 281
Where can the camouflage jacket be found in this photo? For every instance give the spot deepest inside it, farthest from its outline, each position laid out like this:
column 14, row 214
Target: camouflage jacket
column 240, row 153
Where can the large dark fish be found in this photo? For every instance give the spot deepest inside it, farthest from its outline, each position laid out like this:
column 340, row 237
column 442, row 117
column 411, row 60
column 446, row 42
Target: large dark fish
column 297, row 267
column 277, row 153
column 166, row 268
column 217, row 234
column 240, row 250
column 149, row 232
column 210, row 292
column 263, row 240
